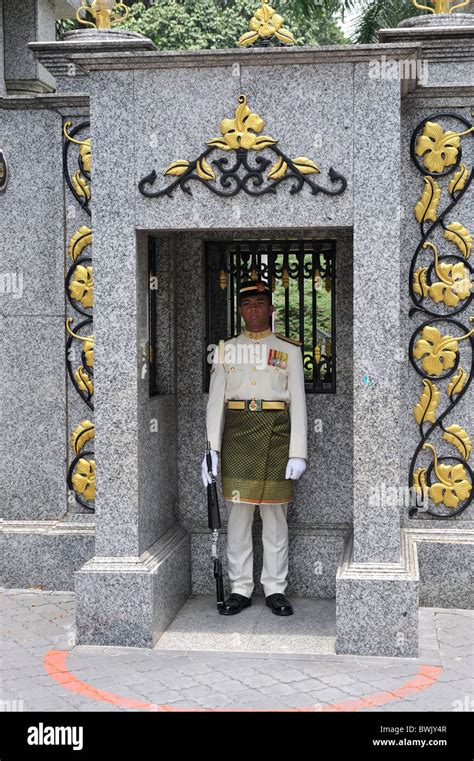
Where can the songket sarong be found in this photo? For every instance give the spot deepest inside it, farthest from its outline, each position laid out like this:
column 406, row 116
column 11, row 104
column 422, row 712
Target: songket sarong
column 254, row 455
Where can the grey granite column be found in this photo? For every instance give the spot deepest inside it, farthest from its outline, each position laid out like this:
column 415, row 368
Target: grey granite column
column 139, row 577
column 25, row 21
column 376, row 315
column 376, row 586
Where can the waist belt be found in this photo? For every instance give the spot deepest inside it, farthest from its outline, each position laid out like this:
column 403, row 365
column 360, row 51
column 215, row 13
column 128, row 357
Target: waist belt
column 255, row 404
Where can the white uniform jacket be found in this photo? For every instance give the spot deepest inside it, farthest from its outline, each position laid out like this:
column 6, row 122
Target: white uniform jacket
column 241, row 368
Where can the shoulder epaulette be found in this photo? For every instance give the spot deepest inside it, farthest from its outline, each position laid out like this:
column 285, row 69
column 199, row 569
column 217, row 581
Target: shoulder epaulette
column 287, row 338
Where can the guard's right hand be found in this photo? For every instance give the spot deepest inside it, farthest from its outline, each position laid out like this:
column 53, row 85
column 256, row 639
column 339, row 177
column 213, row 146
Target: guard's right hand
column 206, row 478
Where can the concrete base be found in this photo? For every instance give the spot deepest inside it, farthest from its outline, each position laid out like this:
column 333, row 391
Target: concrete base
column 377, row 605
column 130, row 601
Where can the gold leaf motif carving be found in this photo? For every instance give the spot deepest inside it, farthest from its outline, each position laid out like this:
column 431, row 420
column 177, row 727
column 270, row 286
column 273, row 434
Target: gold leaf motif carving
column 305, row 166
column 419, row 482
column 420, row 285
column 79, row 241
column 425, row 409
column 83, row 432
column 457, row 382
column 80, row 185
column 83, row 380
column 204, row 170
column 427, row 206
column 458, row 436
column 458, row 234
column 177, row 168
column 278, row 169
column 459, row 179
column 218, row 142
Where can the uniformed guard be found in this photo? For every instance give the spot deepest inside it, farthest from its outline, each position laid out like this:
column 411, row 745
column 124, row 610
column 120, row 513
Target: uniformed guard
column 256, row 419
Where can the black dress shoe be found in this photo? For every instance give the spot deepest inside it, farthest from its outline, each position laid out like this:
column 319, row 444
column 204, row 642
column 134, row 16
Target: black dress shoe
column 279, row 604
column 234, row 604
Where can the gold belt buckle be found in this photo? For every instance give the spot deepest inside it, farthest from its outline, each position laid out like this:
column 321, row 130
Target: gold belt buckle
column 253, row 404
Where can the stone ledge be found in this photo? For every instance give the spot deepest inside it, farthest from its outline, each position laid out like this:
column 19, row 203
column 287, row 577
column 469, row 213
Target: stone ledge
column 407, row 568
column 439, row 535
column 147, row 562
column 46, row 527
column 93, row 56
column 50, row 100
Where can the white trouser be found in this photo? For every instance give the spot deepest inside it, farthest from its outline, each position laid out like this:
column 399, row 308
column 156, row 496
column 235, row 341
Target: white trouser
column 240, row 549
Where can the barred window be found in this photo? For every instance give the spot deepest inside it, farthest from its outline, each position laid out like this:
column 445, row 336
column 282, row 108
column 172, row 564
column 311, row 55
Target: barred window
column 302, row 277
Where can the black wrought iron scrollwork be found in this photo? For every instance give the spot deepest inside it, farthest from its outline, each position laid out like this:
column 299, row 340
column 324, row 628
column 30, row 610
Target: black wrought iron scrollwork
column 78, row 182
column 241, row 135
column 250, row 182
column 79, row 292
column 443, row 489
column 81, row 378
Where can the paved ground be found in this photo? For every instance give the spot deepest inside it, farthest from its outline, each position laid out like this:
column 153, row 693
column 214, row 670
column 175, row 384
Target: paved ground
column 44, row 670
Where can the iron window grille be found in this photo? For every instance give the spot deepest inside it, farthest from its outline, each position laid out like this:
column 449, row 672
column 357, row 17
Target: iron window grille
column 302, row 276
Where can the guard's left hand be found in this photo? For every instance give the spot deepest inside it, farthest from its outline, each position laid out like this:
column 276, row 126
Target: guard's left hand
column 295, row 468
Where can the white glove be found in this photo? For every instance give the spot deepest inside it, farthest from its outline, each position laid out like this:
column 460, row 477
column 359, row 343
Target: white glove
column 295, row 468
column 206, row 479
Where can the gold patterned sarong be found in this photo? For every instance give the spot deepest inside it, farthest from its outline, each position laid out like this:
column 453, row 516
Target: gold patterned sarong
column 254, row 455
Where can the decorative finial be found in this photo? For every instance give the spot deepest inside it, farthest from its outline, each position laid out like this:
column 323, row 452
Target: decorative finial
column 104, row 12
column 441, row 6
column 265, row 24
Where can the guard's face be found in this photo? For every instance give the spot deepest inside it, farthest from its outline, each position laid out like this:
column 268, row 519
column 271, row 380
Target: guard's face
column 256, row 311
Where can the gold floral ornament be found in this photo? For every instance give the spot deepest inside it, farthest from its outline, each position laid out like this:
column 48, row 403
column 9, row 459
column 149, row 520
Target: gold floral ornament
column 106, row 13
column 81, row 287
column 438, row 148
column 441, row 6
column 242, row 134
column 452, row 486
column 437, row 352
column 83, row 478
column 453, row 286
column 265, row 24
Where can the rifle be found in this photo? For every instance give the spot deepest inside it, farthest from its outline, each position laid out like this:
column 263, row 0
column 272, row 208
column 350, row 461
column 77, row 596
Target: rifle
column 214, row 525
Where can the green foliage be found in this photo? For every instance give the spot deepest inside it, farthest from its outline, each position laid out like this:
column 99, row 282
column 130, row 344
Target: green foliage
column 201, row 24
column 211, row 24
column 379, row 14
column 323, row 308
